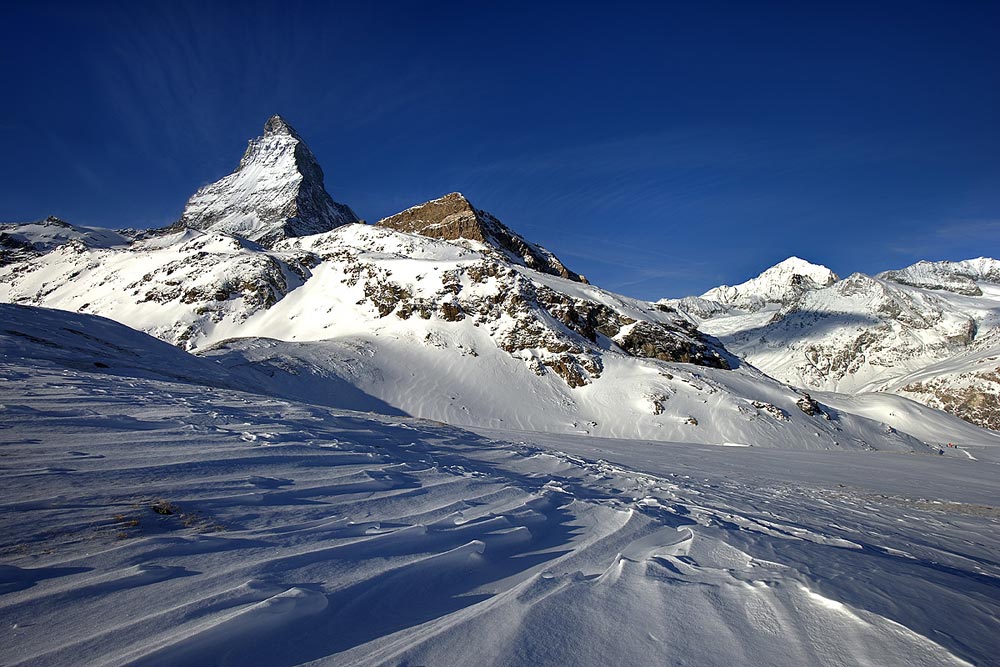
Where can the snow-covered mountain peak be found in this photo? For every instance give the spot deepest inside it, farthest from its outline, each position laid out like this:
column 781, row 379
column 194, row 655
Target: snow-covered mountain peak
column 277, row 192
column 798, row 266
column 782, row 283
column 23, row 240
column 958, row 277
column 454, row 218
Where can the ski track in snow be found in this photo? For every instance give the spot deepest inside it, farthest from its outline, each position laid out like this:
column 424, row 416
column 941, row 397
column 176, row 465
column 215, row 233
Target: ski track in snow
column 289, row 533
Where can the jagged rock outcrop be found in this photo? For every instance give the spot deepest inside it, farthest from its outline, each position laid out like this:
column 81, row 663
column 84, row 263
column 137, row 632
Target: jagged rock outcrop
column 808, row 405
column 453, row 217
column 277, row 192
column 548, row 329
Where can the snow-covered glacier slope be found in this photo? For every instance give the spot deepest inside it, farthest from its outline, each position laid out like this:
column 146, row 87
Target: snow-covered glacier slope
column 928, row 331
column 149, row 519
column 444, row 329
column 179, row 287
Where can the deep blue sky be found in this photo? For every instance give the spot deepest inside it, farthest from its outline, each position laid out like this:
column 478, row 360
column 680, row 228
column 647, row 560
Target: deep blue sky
column 659, row 148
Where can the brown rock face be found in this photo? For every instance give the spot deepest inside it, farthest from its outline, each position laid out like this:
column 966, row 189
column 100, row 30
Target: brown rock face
column 453, row 217
column 450, row 217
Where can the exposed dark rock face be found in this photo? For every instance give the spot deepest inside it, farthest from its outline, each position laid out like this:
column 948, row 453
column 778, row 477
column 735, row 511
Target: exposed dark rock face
column 452, row 217
column 974, row 396
column 809, row 406
column 277, row 192
column 13, row 249
column 653, row 340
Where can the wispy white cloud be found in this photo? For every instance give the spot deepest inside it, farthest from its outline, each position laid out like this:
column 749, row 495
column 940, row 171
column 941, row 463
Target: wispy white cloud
column 966, row 230
column 969, row 236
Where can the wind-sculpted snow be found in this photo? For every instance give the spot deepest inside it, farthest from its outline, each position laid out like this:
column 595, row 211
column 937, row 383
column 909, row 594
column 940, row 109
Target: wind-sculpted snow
column 148, row 522
column 90, row 343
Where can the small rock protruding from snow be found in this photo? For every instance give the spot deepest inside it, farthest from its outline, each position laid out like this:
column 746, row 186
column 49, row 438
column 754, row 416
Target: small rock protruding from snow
column 811, row 407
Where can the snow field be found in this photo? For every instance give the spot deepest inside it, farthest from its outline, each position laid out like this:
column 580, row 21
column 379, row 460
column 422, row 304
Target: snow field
column 298, row 533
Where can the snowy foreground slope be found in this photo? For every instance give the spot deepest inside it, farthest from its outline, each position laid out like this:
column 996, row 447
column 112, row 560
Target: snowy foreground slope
column 152, row 520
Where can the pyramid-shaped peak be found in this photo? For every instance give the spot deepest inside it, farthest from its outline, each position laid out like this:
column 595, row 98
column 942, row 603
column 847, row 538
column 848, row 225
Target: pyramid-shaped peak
column 276, row 192
column 455, row 197
column 278, row 125
column 453, row 200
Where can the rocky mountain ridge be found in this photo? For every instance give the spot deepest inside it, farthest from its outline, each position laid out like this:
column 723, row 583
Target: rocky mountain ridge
column 454, row 218
column 958, row 277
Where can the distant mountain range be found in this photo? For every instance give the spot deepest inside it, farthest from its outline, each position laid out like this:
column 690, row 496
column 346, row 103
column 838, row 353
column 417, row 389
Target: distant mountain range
column 444, row 312
column 930, row 332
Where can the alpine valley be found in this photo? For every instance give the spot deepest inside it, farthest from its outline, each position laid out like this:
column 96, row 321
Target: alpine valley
column 274, row 434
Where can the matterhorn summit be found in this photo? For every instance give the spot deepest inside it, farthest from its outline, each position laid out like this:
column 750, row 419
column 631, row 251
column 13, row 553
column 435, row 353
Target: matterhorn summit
column 277, row 192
